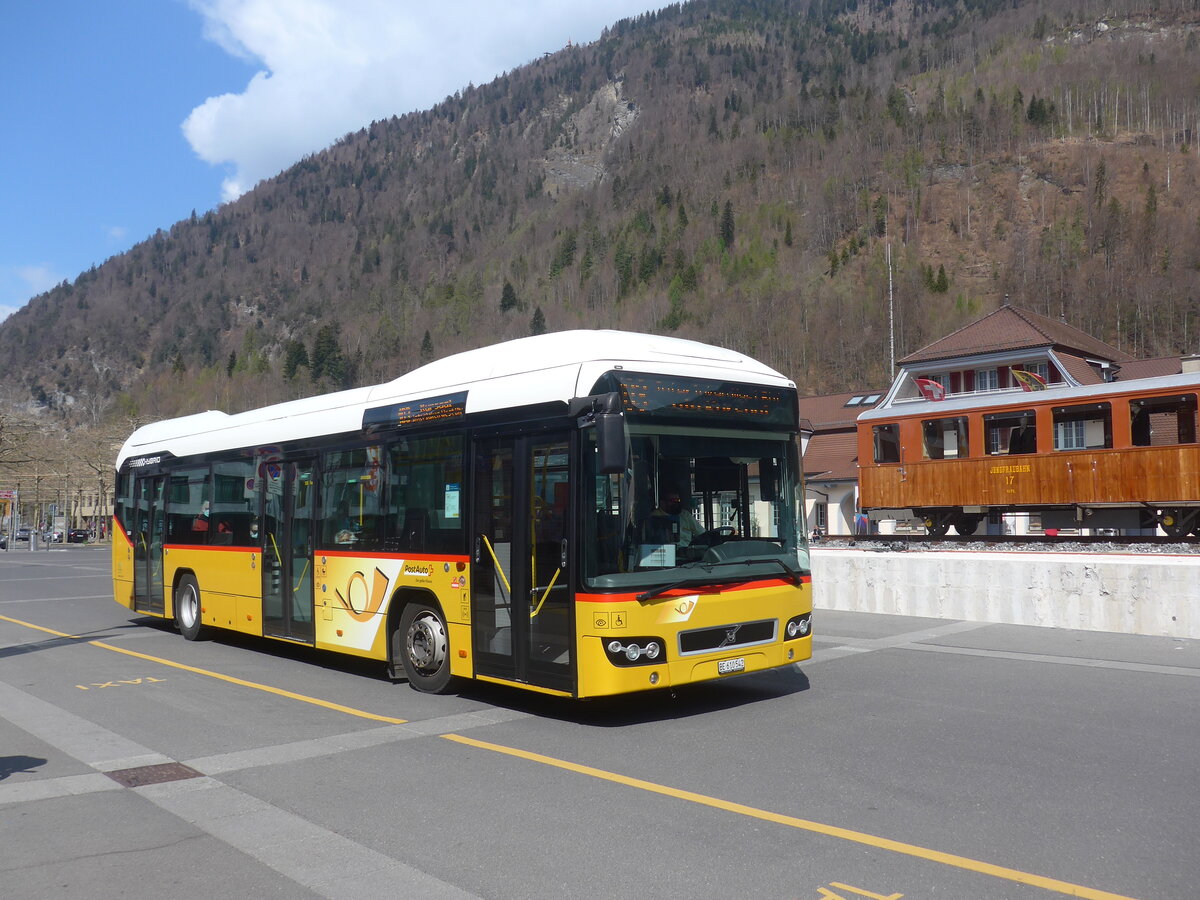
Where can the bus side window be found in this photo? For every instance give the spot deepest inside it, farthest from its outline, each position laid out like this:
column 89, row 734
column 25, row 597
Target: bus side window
column 424, row 496
column 887, row 443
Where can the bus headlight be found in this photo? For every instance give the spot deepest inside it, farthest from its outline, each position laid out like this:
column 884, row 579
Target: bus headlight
column 798, row 627
column 637, row 651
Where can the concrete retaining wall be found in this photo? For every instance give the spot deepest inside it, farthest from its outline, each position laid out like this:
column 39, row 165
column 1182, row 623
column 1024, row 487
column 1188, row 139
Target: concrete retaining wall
column 1130, row 594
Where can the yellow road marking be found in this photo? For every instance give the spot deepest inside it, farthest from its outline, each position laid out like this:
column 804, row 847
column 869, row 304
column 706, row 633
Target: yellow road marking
column 291, row 695
column 858, row 837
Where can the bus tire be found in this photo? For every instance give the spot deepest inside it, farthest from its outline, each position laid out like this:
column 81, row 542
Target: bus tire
column 187, row 608
column 422, row 643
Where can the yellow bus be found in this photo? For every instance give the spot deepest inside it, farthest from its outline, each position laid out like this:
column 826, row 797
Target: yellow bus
column 584, row 514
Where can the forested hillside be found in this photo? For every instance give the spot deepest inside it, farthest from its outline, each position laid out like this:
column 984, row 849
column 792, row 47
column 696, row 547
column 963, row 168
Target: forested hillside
column 728, row 170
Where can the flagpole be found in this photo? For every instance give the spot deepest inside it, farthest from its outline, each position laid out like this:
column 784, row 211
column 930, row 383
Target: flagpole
column 891, row 317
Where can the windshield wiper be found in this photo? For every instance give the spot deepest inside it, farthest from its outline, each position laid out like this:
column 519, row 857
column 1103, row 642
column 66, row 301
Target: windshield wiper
column 700, row 581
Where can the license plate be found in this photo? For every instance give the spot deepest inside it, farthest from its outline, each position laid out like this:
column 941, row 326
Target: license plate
column 729, row 666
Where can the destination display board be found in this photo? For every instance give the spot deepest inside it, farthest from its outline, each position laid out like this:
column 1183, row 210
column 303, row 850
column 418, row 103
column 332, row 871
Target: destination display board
column 699, row 398
column 425, row 411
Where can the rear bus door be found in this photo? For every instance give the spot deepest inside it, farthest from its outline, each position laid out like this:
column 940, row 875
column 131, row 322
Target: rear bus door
column 148, row 531
column 289, row 504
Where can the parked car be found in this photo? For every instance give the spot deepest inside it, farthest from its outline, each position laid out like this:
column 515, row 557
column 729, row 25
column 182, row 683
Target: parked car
column 78, row 536
column 23, row 533
column 52, row 537
column 3, row 541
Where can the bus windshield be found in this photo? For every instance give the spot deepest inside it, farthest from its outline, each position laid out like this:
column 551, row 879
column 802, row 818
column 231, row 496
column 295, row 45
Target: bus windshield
column 694, row 506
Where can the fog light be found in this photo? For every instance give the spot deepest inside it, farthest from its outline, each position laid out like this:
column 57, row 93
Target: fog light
column 798, row 627
column 654, row 678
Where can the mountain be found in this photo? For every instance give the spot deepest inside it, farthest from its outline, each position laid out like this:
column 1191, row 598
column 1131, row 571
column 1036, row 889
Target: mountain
column 728, row 170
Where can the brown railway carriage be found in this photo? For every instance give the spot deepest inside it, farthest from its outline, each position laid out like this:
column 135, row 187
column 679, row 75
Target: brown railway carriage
column 1117, row 455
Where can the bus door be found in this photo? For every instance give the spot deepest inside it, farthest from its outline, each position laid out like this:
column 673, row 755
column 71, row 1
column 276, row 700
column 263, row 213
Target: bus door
column 289, row 503
column 149, row 527
column 522, row 613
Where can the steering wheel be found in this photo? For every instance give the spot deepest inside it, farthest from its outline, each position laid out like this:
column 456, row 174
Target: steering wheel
column 716, row 536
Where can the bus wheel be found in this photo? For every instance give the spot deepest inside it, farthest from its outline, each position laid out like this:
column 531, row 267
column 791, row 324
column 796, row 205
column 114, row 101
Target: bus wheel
column 187, row 608
column 423, row 645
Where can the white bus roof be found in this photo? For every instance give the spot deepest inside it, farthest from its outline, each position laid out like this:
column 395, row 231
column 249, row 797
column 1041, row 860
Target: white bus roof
column 540, row 369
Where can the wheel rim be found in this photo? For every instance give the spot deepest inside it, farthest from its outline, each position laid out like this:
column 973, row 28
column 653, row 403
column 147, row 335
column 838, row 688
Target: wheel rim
column 426, row 643
column 189, row 606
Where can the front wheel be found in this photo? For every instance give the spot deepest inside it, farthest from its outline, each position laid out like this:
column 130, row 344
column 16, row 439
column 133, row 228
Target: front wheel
column 187, row 608
column 423, row 644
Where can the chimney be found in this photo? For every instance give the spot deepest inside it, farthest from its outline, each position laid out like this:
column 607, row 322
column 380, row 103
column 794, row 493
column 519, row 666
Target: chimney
column 1190, row 363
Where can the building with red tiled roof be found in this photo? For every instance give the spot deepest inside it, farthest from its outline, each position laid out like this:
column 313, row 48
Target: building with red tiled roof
column 831, row 458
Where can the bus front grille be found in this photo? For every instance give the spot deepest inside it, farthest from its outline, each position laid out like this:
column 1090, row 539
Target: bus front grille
column 727, row 637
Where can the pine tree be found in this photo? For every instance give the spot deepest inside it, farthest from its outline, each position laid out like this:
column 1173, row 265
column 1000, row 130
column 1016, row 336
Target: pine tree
column 537, row 325
column 508, row 299
column 727, row 234
column 426, row 348
column 295, row 356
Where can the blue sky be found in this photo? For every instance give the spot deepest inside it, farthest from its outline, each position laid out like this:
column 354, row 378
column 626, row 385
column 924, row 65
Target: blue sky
column 122, row 117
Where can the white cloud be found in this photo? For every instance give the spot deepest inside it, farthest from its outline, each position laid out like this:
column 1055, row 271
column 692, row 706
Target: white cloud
column 18, row 283
column 117, row 232
column 38, row 279
column 332, row 66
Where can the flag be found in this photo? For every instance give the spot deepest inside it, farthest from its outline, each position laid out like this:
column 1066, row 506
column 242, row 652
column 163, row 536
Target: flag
column 1029, row 381
column 930, row 389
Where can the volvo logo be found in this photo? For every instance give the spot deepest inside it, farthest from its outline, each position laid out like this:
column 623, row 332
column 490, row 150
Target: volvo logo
column 730, row 637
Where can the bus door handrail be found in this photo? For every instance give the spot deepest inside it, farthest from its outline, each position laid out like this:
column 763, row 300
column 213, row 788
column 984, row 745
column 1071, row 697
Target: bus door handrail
column 496, row 563
column 549, row 587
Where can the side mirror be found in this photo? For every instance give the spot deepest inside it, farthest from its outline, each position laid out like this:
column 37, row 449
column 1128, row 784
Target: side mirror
column 611, row 445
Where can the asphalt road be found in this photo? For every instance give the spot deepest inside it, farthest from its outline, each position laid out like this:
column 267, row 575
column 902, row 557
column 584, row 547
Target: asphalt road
column 910, row 758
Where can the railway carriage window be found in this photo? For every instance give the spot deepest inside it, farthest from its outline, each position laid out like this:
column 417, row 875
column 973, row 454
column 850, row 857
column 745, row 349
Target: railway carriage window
column 1010, row 432
column 1085, row 427
column 189, row 516
column 1163, row 421
column 426, row 482
column 944, row 438
column 887, row 443
column 351, row 485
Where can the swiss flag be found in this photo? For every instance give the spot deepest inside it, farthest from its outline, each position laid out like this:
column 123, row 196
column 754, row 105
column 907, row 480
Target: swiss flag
column 930, row 389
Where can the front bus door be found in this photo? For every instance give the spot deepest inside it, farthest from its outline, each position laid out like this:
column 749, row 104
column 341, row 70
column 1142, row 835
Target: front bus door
column 148, row 530
column 521, row 604
column 287, row 571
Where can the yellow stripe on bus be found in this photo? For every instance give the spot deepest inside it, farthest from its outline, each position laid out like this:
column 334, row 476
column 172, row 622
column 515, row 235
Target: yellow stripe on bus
column 946, row 859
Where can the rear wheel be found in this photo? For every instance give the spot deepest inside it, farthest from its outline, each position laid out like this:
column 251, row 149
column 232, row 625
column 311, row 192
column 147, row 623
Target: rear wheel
column 422, row 643
column 187, row 608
